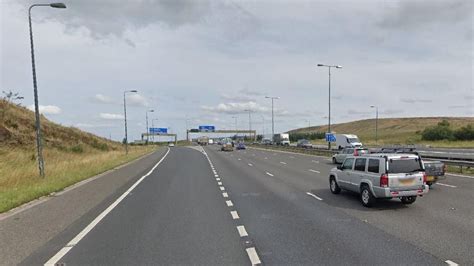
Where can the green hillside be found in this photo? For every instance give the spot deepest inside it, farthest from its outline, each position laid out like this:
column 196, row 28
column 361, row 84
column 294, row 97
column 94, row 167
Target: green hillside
column 396, row 130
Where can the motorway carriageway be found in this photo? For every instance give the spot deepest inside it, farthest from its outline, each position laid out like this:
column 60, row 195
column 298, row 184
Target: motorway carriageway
column 204, row 206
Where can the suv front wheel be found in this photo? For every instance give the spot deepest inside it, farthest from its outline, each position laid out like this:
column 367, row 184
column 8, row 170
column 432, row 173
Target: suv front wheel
column 335, row 189
column 366, row 196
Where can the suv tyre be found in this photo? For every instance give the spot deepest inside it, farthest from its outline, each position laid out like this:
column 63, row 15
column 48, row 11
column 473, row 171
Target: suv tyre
column 333, row 186
column 366, row 196
column 408, row 200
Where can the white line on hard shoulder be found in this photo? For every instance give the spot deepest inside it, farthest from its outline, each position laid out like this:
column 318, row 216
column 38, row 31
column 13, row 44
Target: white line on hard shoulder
column 446, row 185
column 242, row 231
column 268, row 173
column 229, row 203
column 452, row 263
column 314, row 196
column 225, row 195
column 235, row 215
column 62, row 252
column 253, row 256
column 314, row 171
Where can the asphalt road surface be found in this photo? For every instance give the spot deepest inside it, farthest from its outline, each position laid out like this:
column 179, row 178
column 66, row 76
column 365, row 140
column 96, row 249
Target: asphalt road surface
column 207, row 207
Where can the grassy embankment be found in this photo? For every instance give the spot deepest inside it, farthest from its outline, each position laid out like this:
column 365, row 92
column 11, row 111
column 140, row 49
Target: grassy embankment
column 396, row 131
column 71, row 155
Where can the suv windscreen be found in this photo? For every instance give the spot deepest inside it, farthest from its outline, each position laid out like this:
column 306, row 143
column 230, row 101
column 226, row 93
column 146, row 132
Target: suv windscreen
column 348, row 163
column 396, row 166
column 352, row 140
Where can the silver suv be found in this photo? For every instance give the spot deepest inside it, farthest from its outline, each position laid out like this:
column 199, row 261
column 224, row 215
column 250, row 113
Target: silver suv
column 381, row 176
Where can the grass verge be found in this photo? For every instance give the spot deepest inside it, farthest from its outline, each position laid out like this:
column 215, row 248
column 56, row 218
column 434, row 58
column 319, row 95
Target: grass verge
column 457, row 170
column 19, row 181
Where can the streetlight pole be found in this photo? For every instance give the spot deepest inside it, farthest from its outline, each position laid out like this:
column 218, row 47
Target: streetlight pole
column 273, row 121
column 125, row 116
column 376, row 122
column 263, row 127
column 39, row 145
column 329, row 116
column 147, row 128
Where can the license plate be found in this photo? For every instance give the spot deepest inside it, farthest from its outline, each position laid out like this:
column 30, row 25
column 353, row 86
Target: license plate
column 430, row 178
column 406, row 181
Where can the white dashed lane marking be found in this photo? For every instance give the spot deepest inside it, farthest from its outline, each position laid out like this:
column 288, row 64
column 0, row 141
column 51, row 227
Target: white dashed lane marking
column 282, row 162
column 219, row 183
column 314, row 171
column 225, row 195
column 235, row 215
column 229, row 203
column 268, row 173
column 451, row 263
column 242, row 231
column 222, row 188
column 446, row 185
column 253, row 256
column 250, row 164
column 314, row 196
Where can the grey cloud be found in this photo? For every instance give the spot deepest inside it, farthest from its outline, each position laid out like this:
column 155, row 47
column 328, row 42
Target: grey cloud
column 415, row 100
column 111, row 17
column 391, row 111
column 238, row 98
column 416, row 13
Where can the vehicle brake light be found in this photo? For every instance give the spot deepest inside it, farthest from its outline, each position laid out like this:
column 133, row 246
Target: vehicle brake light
column 384, row 180
column 356, row 153
column 424, row 178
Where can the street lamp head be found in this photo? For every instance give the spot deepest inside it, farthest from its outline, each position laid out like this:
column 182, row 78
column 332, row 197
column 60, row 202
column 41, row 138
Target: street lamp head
column 372, row 106
column 320, row 65
column 57, row 5
column 151, row 111
column 338, row 66
column 133, row 91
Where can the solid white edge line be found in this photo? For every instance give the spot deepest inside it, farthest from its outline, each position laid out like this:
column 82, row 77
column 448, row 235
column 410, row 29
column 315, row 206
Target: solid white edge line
column 450, row 262
column 253, row 256
column 225, row 195
column 242, row 231
column 446, row 185
column 61, row 253
column 235, row 215
column 269, row 174
column 314, row 196
column 229, row 203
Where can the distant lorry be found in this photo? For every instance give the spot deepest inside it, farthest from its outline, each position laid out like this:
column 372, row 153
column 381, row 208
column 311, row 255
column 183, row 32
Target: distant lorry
column 203, row 141
column 282, row 139
column 347, row 140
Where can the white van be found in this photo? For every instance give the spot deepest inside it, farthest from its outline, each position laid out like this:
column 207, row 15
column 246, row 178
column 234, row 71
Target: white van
column 347, row 140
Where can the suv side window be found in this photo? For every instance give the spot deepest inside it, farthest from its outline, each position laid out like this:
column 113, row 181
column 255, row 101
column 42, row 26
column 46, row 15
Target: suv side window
column 348, row 164
column 360, row 164
column 373, row 166
column 349, row 151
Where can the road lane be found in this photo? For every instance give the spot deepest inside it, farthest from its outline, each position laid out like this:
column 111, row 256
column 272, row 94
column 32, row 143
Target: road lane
column 175, row 216
column 442, row 216
column 288, row 226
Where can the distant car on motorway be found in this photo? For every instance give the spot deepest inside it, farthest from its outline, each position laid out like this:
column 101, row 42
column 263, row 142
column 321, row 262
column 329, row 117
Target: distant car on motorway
column 376, row 176
column 267, row 142
column 240, row 146
column 227, row 147
column 304, row 143
column 171, row 144
column 341, row 155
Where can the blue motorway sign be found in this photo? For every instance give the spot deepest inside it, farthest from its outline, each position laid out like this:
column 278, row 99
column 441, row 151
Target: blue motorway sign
column 158, row 130
column 207, row 128
column 330, row 137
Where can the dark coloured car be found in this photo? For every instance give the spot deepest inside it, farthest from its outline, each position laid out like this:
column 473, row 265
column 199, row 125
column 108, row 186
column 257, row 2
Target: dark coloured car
column 240, row 146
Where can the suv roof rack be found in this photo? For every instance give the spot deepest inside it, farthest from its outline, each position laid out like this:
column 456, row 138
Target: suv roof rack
column 397, row 149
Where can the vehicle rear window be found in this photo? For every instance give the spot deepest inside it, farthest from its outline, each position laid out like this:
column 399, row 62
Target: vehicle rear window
column 373, row 166
column 404, row 165
column 360, row 164
column 348, row 163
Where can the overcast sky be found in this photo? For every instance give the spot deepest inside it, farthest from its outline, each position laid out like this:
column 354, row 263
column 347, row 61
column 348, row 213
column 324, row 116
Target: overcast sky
column 208, row 61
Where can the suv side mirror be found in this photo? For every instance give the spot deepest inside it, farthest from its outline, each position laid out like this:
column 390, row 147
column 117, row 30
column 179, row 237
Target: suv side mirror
column 340, row 167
